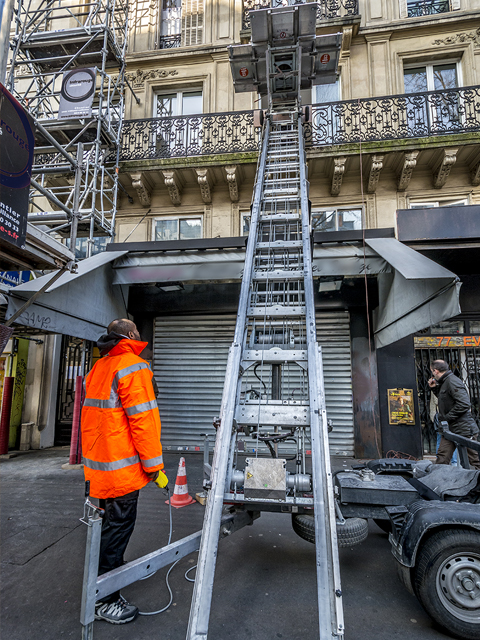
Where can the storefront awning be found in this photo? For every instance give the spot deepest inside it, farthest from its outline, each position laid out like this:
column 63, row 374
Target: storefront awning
column 414, row 291
column 79, row 304
column 416, row 294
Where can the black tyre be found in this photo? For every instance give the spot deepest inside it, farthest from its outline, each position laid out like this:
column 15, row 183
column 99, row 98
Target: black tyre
column 447, row 581
column 354, row 531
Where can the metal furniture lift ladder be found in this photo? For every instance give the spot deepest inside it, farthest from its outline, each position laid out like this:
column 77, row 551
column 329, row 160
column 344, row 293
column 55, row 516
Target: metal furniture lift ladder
column 275, row 331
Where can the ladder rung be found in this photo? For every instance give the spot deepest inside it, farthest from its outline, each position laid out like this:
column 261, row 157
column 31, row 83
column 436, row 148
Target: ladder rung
column 273, row 415
column 280, row 217
column 277, row 310
column 280, row 244
column 278, row 275
column 271, row 356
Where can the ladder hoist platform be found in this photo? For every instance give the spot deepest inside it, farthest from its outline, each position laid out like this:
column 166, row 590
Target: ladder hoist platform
column 275, row 335
column 274, row 390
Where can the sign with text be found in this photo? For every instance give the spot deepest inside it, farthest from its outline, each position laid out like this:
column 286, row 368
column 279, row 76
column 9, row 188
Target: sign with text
column 449, row 342
column 76, row 94
column 400, row 406
column 16, row 158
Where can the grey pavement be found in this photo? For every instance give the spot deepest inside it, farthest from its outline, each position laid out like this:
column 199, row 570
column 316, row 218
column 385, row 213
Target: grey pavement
column 265, row 578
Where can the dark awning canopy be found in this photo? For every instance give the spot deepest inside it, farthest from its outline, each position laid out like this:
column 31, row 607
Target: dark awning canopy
column 415, row 292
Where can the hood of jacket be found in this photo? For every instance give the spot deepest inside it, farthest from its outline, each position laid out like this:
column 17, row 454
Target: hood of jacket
column 114, row 344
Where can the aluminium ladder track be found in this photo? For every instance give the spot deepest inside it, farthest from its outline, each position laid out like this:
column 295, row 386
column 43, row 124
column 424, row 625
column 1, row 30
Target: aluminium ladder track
column 276, row 308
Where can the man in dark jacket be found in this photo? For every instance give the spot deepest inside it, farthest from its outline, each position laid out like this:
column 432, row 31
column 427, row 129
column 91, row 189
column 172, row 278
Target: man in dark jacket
column 454, row 408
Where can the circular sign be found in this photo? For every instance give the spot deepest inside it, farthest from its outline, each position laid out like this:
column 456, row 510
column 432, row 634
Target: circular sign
column 243, row 72
column 325, row 59
column 17, row 144
column 78, row 85
column 283, row 34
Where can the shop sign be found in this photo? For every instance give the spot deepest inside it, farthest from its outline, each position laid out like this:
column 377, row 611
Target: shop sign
column 446, row 342
column 400, row 406
column 16, row 159
column 76, row 94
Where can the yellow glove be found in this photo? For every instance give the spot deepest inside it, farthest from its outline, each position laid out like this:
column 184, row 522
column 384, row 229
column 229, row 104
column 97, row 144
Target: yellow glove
column 161, row 480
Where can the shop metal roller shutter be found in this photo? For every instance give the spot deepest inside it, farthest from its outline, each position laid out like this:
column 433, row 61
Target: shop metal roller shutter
column 190, row 357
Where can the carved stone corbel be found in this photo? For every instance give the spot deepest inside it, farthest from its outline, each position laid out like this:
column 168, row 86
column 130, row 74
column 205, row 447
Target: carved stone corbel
column 174, row 183
column 338, row 171
column 376, row 166
column 409, row 164
column 206, row 180
column 143, row 187
column 441, row 174
column 346, row 40
column 234, row 180
column 475, row 174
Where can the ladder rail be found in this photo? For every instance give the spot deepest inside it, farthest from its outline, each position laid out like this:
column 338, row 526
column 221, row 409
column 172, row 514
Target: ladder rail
column 222, row 458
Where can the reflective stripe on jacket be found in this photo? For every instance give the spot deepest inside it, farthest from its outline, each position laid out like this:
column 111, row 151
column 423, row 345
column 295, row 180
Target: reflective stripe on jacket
column 120, row 423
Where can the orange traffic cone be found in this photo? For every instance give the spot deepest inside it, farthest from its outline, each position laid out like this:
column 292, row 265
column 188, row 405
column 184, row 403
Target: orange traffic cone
column 180, row 496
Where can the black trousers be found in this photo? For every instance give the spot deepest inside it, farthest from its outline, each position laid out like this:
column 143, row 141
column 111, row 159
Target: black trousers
column 117, row 527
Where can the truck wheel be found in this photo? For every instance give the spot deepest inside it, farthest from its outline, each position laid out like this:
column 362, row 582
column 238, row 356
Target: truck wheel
column 354, row 531
column 447, row 581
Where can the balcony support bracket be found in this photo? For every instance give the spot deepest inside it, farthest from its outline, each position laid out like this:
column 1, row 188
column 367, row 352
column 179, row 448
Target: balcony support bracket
column 206, row 181
column 443, row 171
column 376, row 166
column 338, row 171
column 174, row 183
column 409, row 164
column 234, row 180
column 143, row 187
column 475, row 174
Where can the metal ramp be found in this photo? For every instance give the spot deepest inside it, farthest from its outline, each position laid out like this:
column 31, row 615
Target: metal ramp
column 275, row 344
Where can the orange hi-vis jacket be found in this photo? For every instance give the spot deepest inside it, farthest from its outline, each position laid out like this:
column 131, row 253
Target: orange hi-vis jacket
column 120, row 423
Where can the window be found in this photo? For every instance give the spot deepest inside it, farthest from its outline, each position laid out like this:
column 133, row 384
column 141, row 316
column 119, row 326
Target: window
column 417, row 8
column 438, row 203
column 171, row 24
column 441, row 111
column 327, row 120
column 178, row 137
column 177, row 228
column 181, row 23
column 336, row 219
column 245, row 219
column 179, row 103
column 81, row 246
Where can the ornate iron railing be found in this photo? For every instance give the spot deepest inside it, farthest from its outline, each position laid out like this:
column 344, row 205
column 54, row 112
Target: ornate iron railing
column 326, row 9
column 415, row 115
column 183, row 136
column 427, row 7
column 170, row 42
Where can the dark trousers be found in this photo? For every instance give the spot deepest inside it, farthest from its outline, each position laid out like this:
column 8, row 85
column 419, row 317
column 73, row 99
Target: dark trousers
column 446, row 449
column 117, row 527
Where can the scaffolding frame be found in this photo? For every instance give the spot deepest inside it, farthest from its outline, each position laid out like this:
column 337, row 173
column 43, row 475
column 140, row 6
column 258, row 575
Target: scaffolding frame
column 75, row 182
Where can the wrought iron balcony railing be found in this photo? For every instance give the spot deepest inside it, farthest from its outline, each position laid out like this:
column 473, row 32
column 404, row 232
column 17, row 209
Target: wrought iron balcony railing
column 170, row 42
column 184, row 136
column 415, row 115
column 326, row 9
column 418, row 8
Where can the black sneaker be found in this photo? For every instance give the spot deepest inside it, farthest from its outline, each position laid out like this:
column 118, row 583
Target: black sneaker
column 118, row 612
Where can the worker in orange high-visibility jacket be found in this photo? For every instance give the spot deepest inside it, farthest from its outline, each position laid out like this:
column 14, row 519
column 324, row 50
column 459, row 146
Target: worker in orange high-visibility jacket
column 121, row 447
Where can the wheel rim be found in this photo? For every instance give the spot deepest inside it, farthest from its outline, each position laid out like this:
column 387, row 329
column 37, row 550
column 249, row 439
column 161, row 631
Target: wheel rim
column 458, row 586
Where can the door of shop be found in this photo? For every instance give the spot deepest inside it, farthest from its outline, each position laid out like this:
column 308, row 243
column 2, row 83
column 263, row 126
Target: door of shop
column 75, row 361
column 462, row 354
column 190, row 357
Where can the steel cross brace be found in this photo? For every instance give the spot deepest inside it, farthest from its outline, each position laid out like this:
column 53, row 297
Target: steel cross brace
column 95, row 587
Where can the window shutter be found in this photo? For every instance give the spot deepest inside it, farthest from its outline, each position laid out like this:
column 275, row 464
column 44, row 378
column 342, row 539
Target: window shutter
column 192, row 22
column 402, row 4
